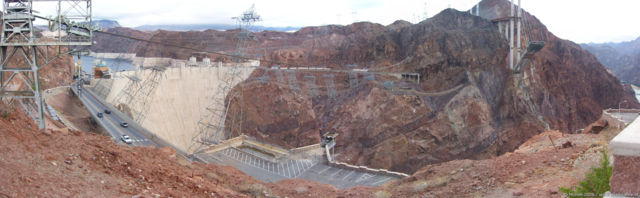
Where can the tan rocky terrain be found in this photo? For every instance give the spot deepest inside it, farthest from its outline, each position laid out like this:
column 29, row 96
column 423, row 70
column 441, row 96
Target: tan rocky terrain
column 67, row 105
column 77, row 164
column 536, row 169
column 55, row 163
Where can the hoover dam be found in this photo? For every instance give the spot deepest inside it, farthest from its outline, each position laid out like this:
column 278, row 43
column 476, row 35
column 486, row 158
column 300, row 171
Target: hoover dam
column 182, row 93
column 478, row 102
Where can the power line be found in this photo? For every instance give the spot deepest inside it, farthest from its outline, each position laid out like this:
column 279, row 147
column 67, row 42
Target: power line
column 221, row 54
column 195, row 49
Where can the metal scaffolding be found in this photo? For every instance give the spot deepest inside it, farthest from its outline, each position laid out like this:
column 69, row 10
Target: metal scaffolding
column 293, row 81
column 353, row 79
column 137, row 93
column 369, row 77
column 265, row 78
column 24, row 53
column 212, row 123
column 331, row 88
column 353, row 76
column 279, row 74
column 311, row 86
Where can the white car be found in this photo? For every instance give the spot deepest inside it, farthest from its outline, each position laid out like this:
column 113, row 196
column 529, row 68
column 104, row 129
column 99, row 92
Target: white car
column 126, row 139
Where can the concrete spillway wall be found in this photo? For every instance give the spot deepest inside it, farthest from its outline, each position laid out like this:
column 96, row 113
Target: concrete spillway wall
column 177, row 102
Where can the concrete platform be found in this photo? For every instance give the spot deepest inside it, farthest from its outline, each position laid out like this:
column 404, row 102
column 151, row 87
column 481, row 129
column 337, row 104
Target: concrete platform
column 313, row 168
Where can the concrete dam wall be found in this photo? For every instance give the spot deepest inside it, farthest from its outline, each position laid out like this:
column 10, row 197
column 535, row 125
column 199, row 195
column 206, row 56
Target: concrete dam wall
column 172, row 110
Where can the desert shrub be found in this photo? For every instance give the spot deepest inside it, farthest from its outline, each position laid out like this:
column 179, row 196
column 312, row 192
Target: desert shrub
column 254, row 190
column 4, row 114
column 382, row 194
column 596, row 182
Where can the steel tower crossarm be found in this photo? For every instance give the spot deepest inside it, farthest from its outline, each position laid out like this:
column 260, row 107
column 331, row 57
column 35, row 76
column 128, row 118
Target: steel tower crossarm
column 23, row 51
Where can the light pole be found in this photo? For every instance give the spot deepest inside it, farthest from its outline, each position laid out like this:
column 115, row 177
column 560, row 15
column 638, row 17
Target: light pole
column 619, row 113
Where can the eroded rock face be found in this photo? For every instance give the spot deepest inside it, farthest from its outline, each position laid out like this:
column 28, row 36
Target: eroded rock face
column 467, row 104
column 289, row 120
column 105, row 43
column 452, row 113
column 566, row 83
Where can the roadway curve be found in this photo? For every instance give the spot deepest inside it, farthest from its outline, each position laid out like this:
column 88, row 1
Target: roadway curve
column 111, row 122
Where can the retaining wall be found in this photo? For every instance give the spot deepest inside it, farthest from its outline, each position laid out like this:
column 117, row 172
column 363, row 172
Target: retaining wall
column 611, row 119
column 625, row 148
column 365, row 169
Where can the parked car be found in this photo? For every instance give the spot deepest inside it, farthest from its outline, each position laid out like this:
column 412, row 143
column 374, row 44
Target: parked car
column 124, row 124
column 107, row 111
column 100, row 115
column 126, row 139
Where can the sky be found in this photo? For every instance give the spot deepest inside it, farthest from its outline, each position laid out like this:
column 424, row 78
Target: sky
column 581, row 21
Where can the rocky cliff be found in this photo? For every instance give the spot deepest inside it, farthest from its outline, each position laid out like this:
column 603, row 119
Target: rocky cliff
column 468, row 104
column 104, row 43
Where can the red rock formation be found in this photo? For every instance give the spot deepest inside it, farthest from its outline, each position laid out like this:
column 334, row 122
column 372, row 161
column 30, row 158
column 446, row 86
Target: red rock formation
column 468, row 104
column 564, row 88
column 289, row 120
column 105, row 43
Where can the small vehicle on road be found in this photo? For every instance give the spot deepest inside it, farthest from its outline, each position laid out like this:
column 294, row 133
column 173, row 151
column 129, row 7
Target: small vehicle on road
column 124, row 124
column 126, row 139
column 107, row 111
column 100, row 115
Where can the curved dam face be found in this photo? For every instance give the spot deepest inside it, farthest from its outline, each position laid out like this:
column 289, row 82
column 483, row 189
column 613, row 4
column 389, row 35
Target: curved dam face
column 168, row 103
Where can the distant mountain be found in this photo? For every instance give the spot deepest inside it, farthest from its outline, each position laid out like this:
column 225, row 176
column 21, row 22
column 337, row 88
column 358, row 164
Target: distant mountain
column 200, row 27
column 628, row 48
column 623, row 59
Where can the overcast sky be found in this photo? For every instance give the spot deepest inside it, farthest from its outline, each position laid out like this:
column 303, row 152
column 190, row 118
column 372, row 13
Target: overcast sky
column 577, row 20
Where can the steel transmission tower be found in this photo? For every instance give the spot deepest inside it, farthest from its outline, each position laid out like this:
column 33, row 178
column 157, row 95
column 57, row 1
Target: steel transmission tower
column 245, row 24
column 24, row 50
column 211, row 125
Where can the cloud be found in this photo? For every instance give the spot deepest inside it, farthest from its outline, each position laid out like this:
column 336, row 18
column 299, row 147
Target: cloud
column 577, row 20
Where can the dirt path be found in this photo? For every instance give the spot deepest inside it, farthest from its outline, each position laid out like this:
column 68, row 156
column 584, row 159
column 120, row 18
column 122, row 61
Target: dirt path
column 71, row 108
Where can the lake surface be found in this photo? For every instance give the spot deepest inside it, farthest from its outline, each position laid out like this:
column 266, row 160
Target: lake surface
column 88, row 62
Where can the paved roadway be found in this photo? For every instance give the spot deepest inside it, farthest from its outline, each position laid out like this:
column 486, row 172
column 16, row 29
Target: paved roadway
column 312, row 168
column 269, row 170
column 627, row 117
column 111, row 122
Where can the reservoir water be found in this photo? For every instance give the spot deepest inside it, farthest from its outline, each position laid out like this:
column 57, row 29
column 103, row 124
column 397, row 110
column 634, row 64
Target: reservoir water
column 88, row 62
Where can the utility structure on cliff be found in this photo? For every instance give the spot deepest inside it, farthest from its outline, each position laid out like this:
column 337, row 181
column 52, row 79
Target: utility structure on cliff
column 245, row 35
column 211, row 127
column 25, row 50
column 511, row 27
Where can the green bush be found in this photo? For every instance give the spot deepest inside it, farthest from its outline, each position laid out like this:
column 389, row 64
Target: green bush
column 596, row 182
